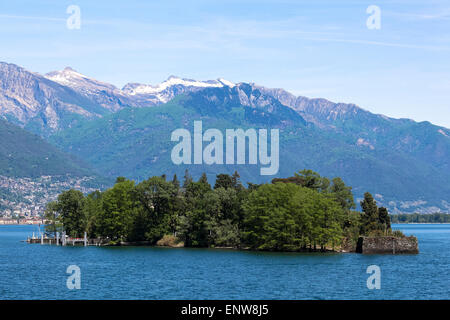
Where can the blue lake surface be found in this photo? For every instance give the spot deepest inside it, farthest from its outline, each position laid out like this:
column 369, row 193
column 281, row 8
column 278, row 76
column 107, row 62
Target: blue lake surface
column 33, row 271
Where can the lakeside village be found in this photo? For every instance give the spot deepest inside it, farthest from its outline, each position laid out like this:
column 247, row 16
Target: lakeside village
column 23, row 200
column 302, row 213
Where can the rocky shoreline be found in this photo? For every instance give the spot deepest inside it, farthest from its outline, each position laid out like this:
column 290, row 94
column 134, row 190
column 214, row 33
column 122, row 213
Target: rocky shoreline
column 364, row 245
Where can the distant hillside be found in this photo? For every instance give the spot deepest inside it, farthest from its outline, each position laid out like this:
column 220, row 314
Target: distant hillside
column 422, row 141
column 136, row 142
column 23, row 154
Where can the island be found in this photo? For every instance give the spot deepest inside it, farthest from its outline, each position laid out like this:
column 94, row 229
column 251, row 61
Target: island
column 302, row 213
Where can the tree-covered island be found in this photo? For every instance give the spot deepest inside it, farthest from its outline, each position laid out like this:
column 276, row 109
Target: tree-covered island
column 306, row 212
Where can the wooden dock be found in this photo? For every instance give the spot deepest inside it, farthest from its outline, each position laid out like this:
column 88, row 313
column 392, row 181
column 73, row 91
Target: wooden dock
column 63, row 240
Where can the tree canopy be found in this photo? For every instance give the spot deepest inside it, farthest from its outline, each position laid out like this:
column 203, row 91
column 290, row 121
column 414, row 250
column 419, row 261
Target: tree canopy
column 302, row 212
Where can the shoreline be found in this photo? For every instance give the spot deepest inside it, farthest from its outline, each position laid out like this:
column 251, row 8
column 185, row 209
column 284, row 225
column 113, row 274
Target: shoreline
column 421, row 223
column 42, row 224
column 21, row 224
column 365, row 245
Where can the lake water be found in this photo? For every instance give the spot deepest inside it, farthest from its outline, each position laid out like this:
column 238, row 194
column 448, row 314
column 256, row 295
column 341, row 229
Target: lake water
column 33, row 271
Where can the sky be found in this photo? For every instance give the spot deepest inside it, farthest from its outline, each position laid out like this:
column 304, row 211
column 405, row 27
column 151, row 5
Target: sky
column 311, row 48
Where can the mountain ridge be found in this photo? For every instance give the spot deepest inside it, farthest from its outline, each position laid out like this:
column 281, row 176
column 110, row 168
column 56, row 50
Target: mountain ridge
column 366, row 149
column 301, row 104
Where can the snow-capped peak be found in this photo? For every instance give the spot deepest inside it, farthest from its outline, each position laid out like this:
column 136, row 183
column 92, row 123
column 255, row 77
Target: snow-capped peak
column 134, row 89
column 72, row 78
column 65, row 76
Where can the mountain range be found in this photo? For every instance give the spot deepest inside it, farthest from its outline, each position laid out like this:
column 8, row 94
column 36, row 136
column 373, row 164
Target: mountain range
column 126, row 132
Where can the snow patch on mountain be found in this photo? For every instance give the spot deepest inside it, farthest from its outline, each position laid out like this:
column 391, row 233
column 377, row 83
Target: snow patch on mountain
column 135, row 89
column 132, row 94
column 72, row 78
column 226, row 82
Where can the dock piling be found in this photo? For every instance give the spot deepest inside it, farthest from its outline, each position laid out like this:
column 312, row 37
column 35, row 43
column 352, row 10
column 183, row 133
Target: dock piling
column 61, row 239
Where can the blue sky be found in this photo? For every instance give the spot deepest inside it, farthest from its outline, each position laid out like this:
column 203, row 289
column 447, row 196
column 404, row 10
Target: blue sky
column 311, row 48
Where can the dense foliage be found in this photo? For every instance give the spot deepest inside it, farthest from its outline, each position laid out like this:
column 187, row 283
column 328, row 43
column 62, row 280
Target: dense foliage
column 304, row 212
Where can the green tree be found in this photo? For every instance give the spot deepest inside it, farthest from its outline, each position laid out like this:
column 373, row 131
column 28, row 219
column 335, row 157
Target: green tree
column 175, row 182
column 71, row 207
column 224, row 233
column 343, row 194
column 307, row 178
column 384, row 219
column 204, row 180
column 236, row 181
column 223, row 181
column 187, row 178
column 120, row 179
column 224, row 220
column 269, row 222
column 370, row 219
column 285, row 216
column 160, row 202
column 313, row 180
column 118, row 210
column 200, row 204
column 253, row 186
column 93, row 209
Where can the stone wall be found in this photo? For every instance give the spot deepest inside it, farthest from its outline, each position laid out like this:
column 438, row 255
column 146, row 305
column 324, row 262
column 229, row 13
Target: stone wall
column 388, row 245
column 348, row 245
